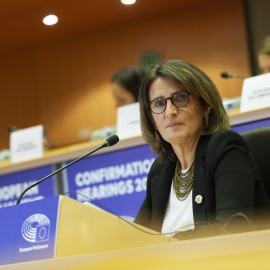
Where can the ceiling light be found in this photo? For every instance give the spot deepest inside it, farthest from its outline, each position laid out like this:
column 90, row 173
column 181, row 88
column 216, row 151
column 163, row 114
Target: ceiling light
column 50, row 20
column 128, row 2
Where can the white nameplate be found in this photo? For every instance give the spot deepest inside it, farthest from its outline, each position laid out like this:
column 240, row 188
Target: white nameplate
column 128, row 121
column 255, row 93
column 26, row 144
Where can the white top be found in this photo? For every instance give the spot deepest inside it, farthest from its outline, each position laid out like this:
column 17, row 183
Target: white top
column 179, row 214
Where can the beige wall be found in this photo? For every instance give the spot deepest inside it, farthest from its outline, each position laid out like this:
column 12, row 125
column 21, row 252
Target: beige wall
column 65, row 85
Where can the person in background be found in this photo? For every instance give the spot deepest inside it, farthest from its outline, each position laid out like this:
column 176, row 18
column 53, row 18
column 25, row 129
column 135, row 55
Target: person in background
column 125, row 85
column 263, row 55
column 204, row 181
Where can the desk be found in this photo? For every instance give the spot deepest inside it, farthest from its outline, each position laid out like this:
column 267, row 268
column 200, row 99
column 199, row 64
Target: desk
column 236, row 117
column 240, row 251
column 66, row 153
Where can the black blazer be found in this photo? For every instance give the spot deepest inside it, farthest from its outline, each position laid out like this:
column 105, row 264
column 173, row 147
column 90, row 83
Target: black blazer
column 225, row 175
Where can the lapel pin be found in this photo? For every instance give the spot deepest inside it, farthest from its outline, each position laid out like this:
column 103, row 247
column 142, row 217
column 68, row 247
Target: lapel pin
column 198, row 199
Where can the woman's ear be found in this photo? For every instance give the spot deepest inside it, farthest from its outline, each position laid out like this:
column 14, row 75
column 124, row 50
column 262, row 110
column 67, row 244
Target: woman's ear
column 206, row 110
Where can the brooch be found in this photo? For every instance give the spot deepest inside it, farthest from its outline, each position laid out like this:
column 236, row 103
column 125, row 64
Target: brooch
column 198, row 199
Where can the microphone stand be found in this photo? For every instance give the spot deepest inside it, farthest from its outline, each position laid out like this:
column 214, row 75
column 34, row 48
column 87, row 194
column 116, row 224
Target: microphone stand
column 105, row 144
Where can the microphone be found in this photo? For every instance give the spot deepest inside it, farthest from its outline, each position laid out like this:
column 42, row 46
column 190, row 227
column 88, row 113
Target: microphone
column 12, row 128
column 112, row 140
column 227, row 75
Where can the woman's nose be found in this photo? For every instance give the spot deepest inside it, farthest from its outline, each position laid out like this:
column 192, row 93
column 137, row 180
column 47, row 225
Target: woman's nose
column 170, row 109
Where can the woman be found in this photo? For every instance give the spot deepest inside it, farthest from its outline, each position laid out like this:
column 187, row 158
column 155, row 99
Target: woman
column 125, row 85
column 204, row 181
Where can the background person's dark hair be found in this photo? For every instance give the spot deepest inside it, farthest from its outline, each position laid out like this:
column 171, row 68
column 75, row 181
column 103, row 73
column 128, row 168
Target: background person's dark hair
column 129, row 78
column 191, row 79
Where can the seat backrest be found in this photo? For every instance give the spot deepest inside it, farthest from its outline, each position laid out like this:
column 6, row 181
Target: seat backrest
column 258, row 141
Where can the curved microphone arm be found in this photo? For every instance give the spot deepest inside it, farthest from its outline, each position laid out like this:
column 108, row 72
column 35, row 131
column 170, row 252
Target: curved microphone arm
column 109, row 142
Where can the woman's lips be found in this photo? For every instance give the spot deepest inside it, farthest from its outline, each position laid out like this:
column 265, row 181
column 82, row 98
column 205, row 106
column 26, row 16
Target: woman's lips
column 173, row 124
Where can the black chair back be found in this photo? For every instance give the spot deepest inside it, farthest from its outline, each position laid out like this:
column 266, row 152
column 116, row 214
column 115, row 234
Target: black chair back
column 258, row 141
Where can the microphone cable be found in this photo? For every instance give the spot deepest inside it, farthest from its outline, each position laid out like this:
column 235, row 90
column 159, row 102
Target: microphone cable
column 238, row 214
column 169, row 234
column 128, row 222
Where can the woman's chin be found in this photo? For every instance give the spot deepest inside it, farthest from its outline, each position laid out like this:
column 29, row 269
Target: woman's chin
column 174, row 138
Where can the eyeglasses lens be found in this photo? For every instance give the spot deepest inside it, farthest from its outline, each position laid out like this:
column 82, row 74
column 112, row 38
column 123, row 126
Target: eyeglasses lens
column 180, row 99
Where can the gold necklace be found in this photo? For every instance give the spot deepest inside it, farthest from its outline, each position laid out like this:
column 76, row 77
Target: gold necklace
column 183, row 182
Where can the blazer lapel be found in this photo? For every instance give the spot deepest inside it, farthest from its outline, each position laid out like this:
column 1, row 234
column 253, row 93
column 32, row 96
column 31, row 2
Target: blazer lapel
column 199, row 182
column 160, row 191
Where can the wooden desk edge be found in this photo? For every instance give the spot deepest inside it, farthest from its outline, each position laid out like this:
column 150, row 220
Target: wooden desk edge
column 213, row 252
column 68, row 153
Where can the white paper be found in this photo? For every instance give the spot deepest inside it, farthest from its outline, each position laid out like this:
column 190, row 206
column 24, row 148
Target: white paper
column 128, row 121
column 26, row 144
column 255, row 93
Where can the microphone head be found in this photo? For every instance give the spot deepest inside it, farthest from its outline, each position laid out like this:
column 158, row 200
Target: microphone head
column 112, row 140
column 11, row 128
column 230, row 75
column 226, row 75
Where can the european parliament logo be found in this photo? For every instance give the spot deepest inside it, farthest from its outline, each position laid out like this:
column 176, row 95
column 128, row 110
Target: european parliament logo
column 36, row 228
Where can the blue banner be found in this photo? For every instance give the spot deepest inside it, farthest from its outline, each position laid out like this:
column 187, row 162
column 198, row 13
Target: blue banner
column 116, row 180
column 12, row 185
column 28, row 231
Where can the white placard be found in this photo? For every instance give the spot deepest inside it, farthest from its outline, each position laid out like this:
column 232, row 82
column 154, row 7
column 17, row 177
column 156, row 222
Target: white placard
column 26, row 144
column 255, row 93
column 128, row 121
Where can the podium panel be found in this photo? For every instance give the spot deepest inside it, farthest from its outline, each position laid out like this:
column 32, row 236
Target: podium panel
column 60, row 227
column 28, row 231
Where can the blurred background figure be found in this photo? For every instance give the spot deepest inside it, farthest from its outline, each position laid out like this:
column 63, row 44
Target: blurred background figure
column 263, row 56
column 125, row 85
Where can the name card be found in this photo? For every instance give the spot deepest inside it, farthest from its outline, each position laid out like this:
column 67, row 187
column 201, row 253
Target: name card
column 128, row 121
column 255, row 93
column 26, row 144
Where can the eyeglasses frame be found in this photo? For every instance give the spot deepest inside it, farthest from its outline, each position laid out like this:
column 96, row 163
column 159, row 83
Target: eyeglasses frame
column 171, row 98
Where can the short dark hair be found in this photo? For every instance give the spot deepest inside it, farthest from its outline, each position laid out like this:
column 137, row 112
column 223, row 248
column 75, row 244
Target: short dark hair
column 130, row 78
column 198, row 84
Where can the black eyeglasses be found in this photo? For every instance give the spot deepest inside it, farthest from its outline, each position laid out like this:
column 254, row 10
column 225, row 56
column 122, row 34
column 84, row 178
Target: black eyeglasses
column 179, row 100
